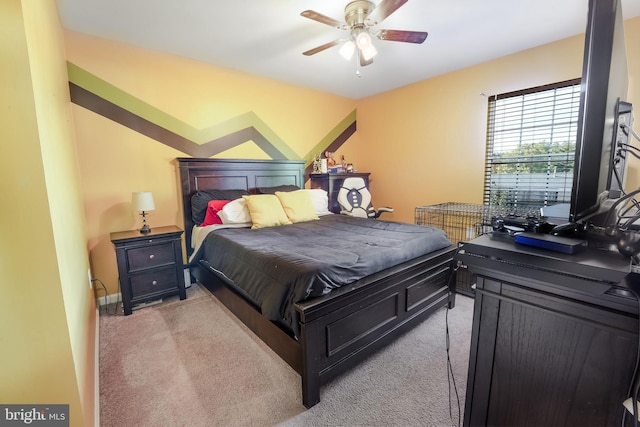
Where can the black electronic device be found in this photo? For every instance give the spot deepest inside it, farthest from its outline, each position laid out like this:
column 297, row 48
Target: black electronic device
column 604, row 86
column 618, row 159
column 513, row 224
column 550, row 242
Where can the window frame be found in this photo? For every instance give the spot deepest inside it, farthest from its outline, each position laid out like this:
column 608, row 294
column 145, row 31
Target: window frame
column 520, row 198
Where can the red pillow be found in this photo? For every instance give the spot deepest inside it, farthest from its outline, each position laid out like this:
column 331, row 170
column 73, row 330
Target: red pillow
column 211, row 216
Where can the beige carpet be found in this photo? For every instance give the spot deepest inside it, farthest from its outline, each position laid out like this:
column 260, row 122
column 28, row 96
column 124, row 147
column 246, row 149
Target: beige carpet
column 191, row 363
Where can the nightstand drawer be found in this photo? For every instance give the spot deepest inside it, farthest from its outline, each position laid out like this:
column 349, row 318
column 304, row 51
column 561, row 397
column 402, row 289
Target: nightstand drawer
column 153, row 282
column 151, row 256
column 149, row 265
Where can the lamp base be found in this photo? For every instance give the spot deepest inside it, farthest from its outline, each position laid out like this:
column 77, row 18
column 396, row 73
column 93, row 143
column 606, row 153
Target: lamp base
column 145, row 228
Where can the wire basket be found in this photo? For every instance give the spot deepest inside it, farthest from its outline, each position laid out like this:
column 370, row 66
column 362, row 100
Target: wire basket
column 463, row 222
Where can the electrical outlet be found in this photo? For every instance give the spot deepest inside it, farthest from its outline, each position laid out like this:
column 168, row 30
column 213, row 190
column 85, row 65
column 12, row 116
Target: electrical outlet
column 90, row 279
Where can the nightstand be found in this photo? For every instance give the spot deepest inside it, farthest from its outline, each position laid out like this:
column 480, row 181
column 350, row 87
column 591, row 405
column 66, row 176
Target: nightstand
column 149, row 265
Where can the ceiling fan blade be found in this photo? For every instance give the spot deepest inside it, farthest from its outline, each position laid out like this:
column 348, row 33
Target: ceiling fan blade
column 402, row 36
column 321, row 47
column 364, row 62
column 323, row 19
column 384, row 9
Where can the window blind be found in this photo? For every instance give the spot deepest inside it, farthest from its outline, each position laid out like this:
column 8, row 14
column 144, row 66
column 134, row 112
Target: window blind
column 531, row 141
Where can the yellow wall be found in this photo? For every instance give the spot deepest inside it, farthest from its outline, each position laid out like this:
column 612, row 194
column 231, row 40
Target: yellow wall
column 47, row 311
column 632, row 39
column 423, row 143
column 116, row 161
column 428, row 139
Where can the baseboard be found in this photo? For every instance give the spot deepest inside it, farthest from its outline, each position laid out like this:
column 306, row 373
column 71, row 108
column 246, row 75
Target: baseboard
column 109, row 299
column 187, row 277
column 96, row 409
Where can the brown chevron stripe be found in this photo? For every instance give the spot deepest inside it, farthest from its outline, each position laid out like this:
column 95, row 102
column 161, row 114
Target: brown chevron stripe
column 98, row 105
column 337, row 143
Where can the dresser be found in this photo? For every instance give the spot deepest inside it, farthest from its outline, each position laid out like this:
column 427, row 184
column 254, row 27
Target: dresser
column 331, row 183
column 554, row 336
column 149, row 265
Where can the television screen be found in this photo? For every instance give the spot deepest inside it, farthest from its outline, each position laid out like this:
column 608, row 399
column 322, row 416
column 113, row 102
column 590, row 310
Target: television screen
column 604, row 86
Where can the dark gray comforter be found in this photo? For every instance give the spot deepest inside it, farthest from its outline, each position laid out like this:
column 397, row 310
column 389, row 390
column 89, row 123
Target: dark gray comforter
column 279, row 266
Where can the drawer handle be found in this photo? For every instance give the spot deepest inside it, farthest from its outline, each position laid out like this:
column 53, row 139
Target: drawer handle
column 152, row 256
column 155, row 282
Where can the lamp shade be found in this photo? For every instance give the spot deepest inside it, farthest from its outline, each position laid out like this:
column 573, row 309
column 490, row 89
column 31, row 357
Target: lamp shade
column 363, row 39
column 347, row 49
column 365, row 44
column 142, row 201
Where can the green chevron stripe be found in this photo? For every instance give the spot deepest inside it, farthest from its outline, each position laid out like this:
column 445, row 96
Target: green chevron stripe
column 107, row 91
column 332, row 136
column 235, row 131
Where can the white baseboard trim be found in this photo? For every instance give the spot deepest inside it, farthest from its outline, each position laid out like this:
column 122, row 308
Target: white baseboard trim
column 187, row 277
column 96, row 414
column 109, row 299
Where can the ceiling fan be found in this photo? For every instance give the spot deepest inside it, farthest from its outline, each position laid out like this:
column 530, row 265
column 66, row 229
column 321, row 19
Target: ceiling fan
column 360, row 16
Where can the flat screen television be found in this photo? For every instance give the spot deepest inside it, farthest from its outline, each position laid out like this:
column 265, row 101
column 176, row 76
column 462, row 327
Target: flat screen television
column 599, row 165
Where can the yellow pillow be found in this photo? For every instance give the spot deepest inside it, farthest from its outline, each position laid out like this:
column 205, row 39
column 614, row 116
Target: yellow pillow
column 265, row 211
column 297, row 205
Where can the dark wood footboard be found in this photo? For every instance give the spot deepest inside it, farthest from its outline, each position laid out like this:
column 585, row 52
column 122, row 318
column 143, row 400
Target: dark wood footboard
column 344, row 328
column 341, row 329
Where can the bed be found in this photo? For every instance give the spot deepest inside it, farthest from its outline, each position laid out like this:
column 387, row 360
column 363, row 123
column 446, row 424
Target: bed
column 329, row 329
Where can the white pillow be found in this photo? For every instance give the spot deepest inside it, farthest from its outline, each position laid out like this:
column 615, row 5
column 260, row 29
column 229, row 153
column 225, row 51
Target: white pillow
column 320, row 200
column 235, row 212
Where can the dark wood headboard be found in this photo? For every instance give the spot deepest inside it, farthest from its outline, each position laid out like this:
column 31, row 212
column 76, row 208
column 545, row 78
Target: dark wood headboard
column 232, row 174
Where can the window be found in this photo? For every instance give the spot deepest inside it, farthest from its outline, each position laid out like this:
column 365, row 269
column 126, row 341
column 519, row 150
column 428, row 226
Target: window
column 531, row 141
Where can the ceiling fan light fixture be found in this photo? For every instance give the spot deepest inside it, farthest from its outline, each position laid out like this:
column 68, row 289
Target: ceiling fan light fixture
column 347, row 49
column 365, row 44
column 363, row 38
column 369, row 52
column 359, row 18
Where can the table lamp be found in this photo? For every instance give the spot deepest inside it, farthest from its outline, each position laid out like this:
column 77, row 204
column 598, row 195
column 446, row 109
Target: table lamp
column 142, row 201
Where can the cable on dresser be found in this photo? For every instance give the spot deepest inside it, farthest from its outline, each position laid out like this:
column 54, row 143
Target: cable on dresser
column 451, row 380
column 629, row 131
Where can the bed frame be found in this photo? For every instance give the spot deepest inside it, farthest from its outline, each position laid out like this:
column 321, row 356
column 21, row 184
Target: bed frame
column 338, row 330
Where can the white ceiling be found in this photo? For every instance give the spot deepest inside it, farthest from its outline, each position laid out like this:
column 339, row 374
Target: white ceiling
column 267, row 37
